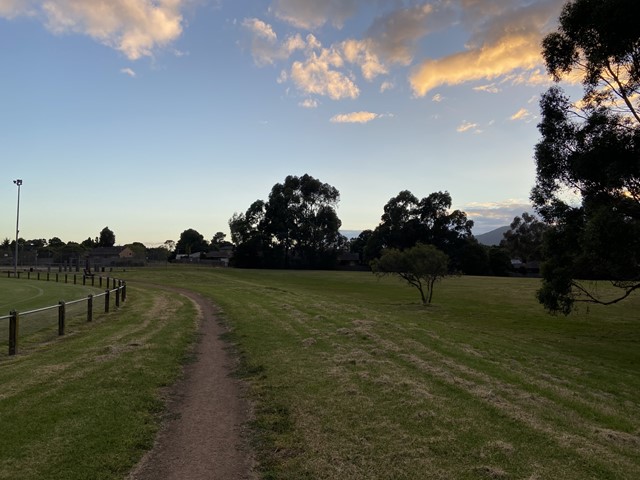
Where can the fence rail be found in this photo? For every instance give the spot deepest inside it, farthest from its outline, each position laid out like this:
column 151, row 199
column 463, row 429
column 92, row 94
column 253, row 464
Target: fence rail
column 118, row 289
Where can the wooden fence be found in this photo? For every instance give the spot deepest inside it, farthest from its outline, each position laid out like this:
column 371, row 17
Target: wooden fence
column 116, row 292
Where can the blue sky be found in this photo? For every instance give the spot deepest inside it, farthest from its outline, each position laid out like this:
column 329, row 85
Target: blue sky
column 155, row 116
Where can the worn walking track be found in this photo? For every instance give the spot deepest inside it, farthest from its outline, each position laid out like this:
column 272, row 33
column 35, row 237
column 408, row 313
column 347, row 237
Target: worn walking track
column 202, row 437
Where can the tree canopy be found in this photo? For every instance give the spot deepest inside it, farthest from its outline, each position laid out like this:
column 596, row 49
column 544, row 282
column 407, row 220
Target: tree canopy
column 588, row 159
column 297, row 227
column 107, row 238
column 191, row 241
column 421, row 266
column 408, row 220
column 524, row 238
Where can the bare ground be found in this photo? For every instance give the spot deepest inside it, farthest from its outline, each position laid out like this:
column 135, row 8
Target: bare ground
column 203, row 435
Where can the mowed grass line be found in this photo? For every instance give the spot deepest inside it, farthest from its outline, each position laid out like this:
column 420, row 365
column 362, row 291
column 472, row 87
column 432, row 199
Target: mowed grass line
column 88, row 405
column 353, row 378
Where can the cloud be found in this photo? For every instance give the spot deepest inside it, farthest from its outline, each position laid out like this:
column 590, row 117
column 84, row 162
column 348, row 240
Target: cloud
column 490, row 215
column 312, row 14
column 522, row 114
column 355, row 117
column 505, row 40
column 468, row 126
column 15, row 8
column 394, row 36
column 360, row 53
column 491, row 88
column 134, row 27
column 384, row 86
column 128, row 71
column 437, row 98
column 265, row 48
column 318, row 75
column 309, row 103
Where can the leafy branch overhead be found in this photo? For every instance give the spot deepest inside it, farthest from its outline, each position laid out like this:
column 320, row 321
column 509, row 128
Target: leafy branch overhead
column 588, row 160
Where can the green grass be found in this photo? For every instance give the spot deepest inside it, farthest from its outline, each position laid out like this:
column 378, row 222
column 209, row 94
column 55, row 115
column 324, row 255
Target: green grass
column 25, row 295
column 88, row 405
column 352, row 378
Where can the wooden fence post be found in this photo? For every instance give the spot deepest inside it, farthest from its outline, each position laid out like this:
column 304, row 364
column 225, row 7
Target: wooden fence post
column 29, row 275
column 75, row 280
column 47, row 276
column 124, row 291
column 106, row 301
column 100, row 282
column 117, row 296
column 90, row 308
column 84, row 279
column 14, row 326
column 93, row 280
column 38, row 275
column 61, row 317
column 57, row 278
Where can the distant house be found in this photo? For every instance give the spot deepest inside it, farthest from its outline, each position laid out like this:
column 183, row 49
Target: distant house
column 531, row 268
column 219, row 257
column 109, row 256
column 188, row 258
column 348, row 259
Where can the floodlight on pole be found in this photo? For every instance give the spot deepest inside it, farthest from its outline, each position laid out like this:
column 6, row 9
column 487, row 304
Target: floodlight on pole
column 15, row 260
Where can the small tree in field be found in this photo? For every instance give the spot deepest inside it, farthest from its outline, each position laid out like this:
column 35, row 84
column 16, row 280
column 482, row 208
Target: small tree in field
column 420, row 266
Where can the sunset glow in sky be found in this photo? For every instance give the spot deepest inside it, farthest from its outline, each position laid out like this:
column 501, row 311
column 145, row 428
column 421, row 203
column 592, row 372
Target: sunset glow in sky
column 155, row 116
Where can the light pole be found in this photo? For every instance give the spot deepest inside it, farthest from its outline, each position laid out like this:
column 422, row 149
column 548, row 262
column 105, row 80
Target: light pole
column 15, row 264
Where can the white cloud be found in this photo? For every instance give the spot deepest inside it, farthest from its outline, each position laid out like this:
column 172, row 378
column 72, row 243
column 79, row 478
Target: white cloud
column 468, row 126
column 128, row 71
column 522, row 114
column 309, row 103
column 384, row 86
column 360, row 53
column 355, row 117
column 265, row 47
column 134, row 27
column 437, row 98
column 318, row 75
column 490, row 88
column 490, row 215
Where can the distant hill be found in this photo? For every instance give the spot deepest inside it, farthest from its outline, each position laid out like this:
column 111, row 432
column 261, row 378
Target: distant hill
column 494, row 237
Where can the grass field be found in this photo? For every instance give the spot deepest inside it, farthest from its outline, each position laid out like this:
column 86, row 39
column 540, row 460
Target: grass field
column 87, row 405
column 351, row 378
column 24, row 295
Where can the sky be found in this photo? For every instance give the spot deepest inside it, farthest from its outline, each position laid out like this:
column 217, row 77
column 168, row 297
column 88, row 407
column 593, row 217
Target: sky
column 155, row 116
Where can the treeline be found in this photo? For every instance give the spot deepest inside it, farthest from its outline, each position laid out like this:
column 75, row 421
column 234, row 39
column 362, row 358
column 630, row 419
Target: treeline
column 298, row 227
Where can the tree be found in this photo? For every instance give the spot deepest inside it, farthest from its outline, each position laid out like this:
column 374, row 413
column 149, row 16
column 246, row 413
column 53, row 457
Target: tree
column 218, row 241
column 524, row 238
column 297, row 227
column 139, row 251
column 407, row 220
column 421, row 266
column 107, row 238
column 191, row 241
column 89, row 243
column 588, row 160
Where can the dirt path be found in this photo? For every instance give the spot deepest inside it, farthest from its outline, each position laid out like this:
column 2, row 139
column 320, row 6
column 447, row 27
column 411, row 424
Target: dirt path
column 203, row 435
